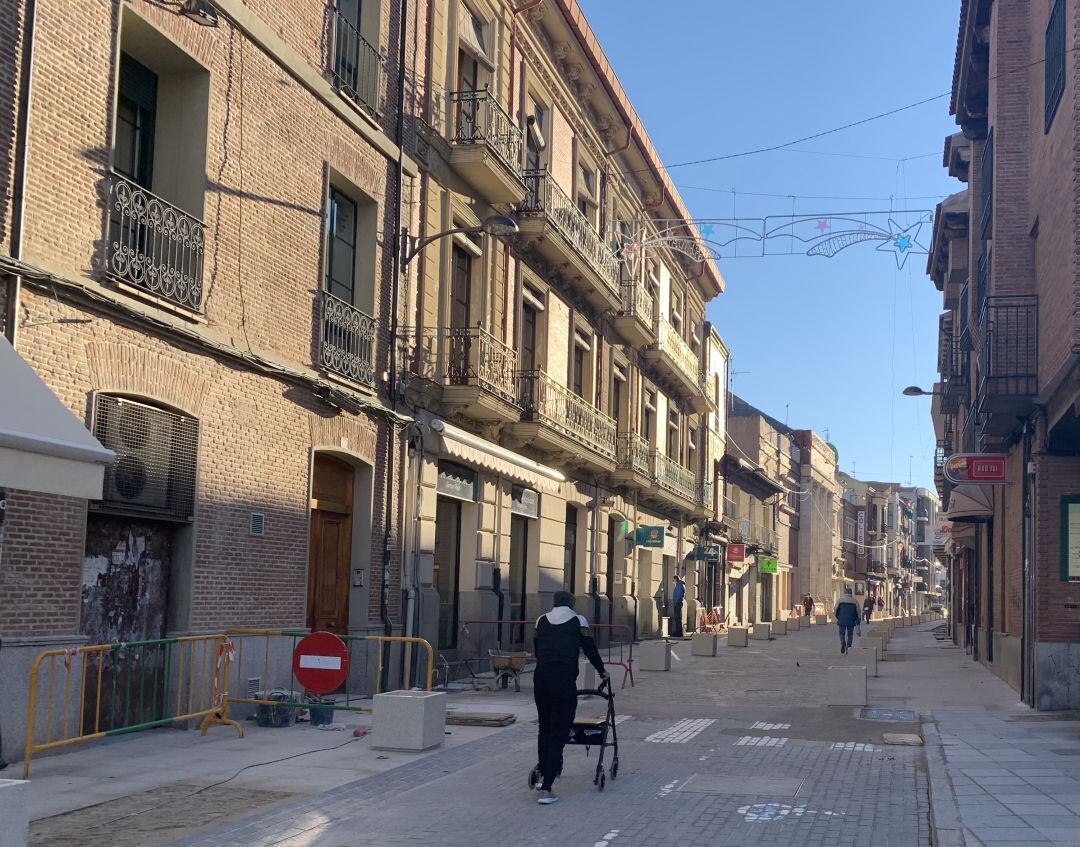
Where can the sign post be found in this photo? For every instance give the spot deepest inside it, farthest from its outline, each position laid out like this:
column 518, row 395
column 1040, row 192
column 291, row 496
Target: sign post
column 321, row 662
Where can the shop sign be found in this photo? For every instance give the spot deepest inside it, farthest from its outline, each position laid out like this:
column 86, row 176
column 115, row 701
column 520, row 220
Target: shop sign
column 736, row 552
column 860, row 535
column 766, row 565
column 456, row 481
column 707, row 553
column 525, row 501
column 942, row 533
column 649, row 536
column 979, row 468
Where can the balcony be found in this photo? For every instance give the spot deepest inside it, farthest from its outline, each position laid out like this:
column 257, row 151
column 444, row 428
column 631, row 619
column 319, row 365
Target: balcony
column 1008, row 361
column 563, row 427
column 676, row 487
column 730, row 517
column 636, row 319
column 764, row 538
column 679, row 363
column 957, row 378
column 485, row 147
column 154, row 246
column 557, row 230
column 633, row 463
column 348, row 341
column 355, row 66
column 706, row 508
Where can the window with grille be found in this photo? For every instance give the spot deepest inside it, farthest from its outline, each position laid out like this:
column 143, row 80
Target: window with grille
column 1054, row 66
column 156, row 455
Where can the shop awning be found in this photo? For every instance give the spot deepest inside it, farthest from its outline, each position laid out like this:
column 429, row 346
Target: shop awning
column 43, row 446
column 971, row 504
column 473, row 450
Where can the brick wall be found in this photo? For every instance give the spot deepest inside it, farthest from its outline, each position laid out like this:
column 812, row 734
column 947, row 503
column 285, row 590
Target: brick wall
column 1055, row 476
column 41, row 546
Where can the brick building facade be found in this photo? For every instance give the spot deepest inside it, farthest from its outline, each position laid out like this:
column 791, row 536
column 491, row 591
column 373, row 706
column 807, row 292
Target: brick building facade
column 1004, row 258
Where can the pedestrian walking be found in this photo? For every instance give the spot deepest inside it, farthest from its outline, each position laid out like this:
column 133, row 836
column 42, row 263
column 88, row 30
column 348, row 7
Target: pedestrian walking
column 868, row 608
column 678, row 594
column 808, row 605
column 847, row 618
column 880, row 605
column 561, row 635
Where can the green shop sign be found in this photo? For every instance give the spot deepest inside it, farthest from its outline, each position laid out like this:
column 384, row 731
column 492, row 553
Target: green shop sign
column 649, row 536
column 767, row 565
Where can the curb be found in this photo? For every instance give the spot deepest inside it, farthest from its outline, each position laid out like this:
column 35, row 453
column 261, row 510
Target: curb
column 946, row 827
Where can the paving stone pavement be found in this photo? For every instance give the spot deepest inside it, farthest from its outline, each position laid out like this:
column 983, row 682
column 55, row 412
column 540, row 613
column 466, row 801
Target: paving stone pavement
column 831, row 782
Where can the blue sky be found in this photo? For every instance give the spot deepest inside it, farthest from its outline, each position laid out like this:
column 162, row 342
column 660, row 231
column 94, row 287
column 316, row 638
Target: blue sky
column 823, row 343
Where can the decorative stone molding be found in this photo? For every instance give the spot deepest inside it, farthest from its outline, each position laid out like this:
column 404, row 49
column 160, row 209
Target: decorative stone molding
column 355, row 435
column 124, row 369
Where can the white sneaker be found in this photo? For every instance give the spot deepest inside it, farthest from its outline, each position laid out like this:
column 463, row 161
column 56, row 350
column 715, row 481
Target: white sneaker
column 547, row 798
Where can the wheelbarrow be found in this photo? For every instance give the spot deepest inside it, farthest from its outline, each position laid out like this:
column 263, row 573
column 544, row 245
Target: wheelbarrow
column 507, row 666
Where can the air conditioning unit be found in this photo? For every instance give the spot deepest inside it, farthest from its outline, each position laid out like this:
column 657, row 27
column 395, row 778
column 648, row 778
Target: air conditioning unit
column 154, row 470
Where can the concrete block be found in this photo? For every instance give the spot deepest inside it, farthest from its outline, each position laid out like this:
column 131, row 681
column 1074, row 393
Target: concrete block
column 875, row 641
column 846, row 685
column 779, row 627
column 408, row 721
column 821, row 619
column 867, row 656
column 737, row 636
column 761, row 632
column 794, row 624
column 703, row 644
column 653, row 656
column 14, row 812
column 804, row 622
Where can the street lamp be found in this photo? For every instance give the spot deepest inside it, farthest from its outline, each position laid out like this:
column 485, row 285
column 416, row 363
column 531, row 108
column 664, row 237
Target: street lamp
column 915, row 391
column 498, row 225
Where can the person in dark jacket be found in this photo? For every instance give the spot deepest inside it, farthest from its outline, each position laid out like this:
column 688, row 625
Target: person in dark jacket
column 847, row 618
column 561, row 635
column 678, row 594
column 868, row 608
column 808, row 605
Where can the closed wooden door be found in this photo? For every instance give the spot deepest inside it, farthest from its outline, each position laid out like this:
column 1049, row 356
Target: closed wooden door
column 330, row 556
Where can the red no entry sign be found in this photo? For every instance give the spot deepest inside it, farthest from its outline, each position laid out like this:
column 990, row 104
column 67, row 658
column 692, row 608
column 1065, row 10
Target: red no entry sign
column 321, row 662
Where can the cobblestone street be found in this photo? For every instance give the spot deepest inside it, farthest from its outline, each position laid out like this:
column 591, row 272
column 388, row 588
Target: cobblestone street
column 733, row 750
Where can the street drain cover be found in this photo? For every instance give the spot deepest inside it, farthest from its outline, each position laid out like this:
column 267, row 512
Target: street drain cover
column 887, row 715
column 778, row 785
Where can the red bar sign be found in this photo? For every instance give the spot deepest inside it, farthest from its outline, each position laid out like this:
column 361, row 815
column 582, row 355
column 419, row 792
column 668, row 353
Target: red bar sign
column 986, row 469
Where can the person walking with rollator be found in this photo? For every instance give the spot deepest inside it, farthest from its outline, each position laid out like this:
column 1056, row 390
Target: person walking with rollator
column 561, row 635
column 847, row 618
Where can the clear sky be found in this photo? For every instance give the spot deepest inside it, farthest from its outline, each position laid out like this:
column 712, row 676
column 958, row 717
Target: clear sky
column 826, row 344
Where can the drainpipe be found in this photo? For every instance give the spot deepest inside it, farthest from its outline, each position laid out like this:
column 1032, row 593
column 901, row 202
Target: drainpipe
column 388, row 627
column 411, row 555
column 594, row 553
column 18, row 197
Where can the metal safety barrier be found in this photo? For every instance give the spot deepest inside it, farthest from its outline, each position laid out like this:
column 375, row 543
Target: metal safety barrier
column 481, row 640
column 265, row 650
column 101, row 690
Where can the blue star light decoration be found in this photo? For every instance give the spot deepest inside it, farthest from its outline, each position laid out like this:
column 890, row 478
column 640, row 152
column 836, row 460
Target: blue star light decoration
column 902, row 241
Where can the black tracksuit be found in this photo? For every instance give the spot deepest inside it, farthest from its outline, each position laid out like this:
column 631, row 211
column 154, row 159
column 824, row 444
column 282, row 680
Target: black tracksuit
column 557, row 646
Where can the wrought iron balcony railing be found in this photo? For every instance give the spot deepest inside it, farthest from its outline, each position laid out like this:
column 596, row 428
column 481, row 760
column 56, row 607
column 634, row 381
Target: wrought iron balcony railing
column 731, row 512
column 544, row 196
column 670, row 342
column 633, row 453
column 153, row 245
column 479, row 119
column 348, row 340
column 355, row 65
column 1009, row 348
column 705, row 496
column 546, row 401
column 764, row 536
column 476, row 357
column 674, row 477
column 638, row 302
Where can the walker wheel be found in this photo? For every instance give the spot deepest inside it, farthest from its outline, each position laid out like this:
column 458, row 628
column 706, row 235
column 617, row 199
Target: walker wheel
column 600, row 784
column 615, row 769
column 534, row 778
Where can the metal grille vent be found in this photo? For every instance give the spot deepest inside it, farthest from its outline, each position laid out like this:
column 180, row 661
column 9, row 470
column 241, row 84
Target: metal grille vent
column 254, row 685
column 156, row 455
column 257, row 525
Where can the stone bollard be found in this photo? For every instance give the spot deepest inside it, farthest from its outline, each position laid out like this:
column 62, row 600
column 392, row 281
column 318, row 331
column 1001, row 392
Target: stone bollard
column 821, row 619
column 875, row 641
column 794, row 624
column 847, row 685
column 737, row 636
column 703, row 644
column 14, row 812
column 408, row 721
column 761, row 632
column 867, row 655
column 779, row 627
column 654, row 656
column 804, row 622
